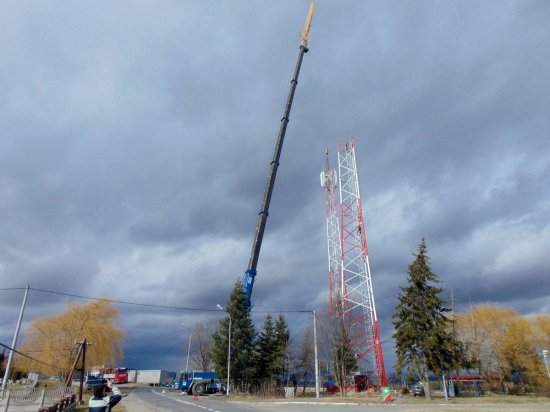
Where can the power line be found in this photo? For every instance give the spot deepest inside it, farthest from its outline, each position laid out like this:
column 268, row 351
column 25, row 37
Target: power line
column 125, row 302
column 158, row 306
column 49, row 350
column 284, row 311
column 149, row 304
column 30, row 357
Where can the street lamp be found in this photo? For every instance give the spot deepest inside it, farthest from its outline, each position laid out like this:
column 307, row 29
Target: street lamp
column 544, row 355
column 315, row 351
column 228, row 347
column 188, row 345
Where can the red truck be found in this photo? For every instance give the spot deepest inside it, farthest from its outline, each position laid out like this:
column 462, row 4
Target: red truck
column 117, row 375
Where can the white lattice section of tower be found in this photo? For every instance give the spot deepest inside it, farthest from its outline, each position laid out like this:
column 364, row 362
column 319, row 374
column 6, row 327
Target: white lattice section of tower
column 329, row 182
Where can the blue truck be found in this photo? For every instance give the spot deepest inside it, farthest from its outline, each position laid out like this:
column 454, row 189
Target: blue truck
column 197, row 383
column 93, row 377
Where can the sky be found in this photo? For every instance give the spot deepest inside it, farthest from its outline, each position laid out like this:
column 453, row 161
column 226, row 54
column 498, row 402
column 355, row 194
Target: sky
column 136, row 137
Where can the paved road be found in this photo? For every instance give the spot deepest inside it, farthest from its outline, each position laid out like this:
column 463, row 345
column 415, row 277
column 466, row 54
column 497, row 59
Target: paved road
column 147, row 399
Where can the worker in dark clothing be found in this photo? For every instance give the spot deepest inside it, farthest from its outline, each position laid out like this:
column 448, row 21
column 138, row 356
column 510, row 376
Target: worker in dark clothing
column 102, row 403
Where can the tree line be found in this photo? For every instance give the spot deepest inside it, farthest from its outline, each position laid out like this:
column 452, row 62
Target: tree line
column 504, row 346
column 263, row 360
column 499, row 344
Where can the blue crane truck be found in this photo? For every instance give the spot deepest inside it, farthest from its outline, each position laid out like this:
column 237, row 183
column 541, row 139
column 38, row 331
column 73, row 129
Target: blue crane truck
column 197, row 383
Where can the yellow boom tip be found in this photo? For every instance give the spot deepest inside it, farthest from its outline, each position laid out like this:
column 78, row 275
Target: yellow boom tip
column 305, row 35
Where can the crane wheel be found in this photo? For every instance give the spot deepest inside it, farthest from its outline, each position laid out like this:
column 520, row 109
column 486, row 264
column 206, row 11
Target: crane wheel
column 199, row 389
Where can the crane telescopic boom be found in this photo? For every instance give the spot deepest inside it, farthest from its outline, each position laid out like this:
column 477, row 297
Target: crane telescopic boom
column 250, row 274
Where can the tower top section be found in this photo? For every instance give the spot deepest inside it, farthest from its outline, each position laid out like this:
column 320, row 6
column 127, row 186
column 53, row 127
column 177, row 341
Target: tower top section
column 329, row 178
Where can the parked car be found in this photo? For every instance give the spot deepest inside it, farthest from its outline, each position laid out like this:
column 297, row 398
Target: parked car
column 330, row 384
column 418, row 390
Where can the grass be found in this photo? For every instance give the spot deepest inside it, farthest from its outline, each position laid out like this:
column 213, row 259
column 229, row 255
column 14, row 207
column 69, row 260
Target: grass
column 407, row 399
column 488, row 398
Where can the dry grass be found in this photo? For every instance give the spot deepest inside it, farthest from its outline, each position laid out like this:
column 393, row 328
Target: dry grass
column 409, row 400
column 486, row 399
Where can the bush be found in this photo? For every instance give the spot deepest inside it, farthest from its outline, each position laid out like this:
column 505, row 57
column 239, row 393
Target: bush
column 516, row 390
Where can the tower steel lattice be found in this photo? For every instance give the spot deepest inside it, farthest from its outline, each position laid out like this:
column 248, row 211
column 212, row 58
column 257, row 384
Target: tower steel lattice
column 355, row 284
column 329, row 183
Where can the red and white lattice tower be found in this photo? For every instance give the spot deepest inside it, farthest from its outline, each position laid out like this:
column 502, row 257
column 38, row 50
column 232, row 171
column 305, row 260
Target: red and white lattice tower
column 329, row 183
column 355, row 283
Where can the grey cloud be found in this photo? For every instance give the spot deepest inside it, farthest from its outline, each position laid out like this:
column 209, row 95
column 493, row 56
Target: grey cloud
column 136, row 143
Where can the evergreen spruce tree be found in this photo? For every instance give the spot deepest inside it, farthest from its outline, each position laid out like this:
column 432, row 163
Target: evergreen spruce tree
column 267, row 350
column 422, row 338
column 243, row 335
column 282, row 344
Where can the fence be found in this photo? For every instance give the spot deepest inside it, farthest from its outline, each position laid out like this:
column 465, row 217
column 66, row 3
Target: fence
column 38, row 399
column 272, row 388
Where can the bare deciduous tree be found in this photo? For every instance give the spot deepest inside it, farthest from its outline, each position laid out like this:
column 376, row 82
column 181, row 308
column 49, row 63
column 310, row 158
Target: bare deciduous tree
column 336, row 346
column 306, row 357
column 202, row 343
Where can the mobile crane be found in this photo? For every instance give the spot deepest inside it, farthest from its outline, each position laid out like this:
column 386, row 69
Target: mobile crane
column 250, row 274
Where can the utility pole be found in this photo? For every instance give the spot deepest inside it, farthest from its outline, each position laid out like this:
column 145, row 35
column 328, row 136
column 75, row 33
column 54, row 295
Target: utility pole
column 14, row 343
column 70, row 375
column 451, row 391
column 187, row 358
column 188, row 345
column 445, row 387
column 84, row 344
column 544, row 355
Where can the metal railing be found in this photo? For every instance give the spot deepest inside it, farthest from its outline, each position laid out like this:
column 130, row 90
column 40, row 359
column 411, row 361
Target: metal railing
column 29, row 399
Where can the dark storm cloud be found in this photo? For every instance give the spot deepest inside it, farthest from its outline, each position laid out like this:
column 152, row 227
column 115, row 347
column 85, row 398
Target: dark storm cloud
column 136, row 143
